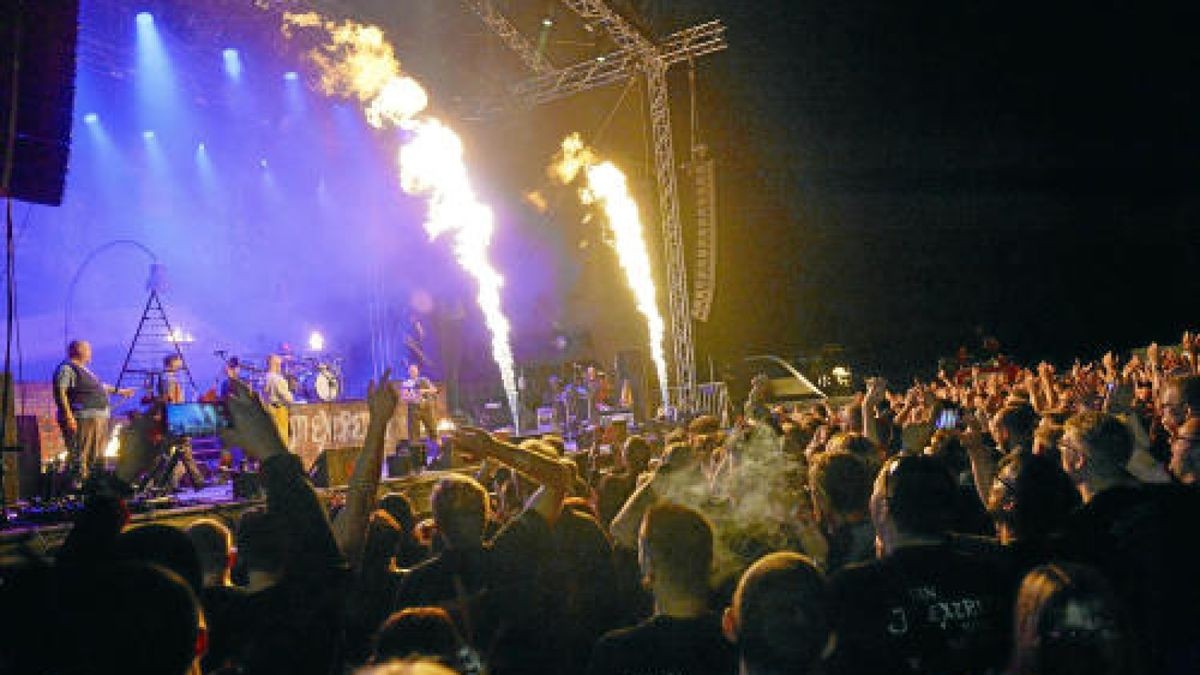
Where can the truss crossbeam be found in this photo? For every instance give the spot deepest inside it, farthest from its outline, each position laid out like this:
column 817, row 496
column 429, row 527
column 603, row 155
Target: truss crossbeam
column 599, row 14
column 686, row 44
column 529, row 54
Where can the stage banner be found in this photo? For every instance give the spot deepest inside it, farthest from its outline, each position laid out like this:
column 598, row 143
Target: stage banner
column 341, row 424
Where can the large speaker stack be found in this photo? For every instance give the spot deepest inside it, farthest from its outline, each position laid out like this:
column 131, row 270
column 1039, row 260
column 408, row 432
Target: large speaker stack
column 37, row 92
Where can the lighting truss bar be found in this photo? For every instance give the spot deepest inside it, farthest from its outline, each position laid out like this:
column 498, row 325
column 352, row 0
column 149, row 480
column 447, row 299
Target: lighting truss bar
column 599, row 14
column 689, row 43
column 526, row 51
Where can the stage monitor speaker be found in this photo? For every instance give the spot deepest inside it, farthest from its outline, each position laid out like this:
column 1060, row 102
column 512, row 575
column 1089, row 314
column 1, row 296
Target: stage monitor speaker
column 246, row 485
column 399, row 465
column 333, row 467
column 37, row 85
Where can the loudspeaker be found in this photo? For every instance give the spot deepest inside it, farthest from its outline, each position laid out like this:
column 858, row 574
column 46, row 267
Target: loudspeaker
column 333, row 467
column 37, row 84
column 246, row 485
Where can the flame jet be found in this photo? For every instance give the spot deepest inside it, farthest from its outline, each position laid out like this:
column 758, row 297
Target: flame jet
column 604, row 185
column 356, row 61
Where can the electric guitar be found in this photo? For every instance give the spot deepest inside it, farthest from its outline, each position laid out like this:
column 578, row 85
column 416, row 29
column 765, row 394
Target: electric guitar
column 413, row 394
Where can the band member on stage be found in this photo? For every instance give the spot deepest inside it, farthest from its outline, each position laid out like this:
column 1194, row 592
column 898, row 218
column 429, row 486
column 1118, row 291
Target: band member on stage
column 170, row 391
column 277, row 395
column 418, row 394
column 233, row 373
column 593, row 385
column 170, row 386
column 231, row 457
column 82, row 403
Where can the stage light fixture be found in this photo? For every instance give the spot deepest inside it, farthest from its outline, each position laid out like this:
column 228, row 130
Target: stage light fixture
column 200, row 147
column 291, row 75
column 233, row 62
column 547, row 22
column 148, row 135
column 91, row 118
column 316, row 341
column 262, row 163
column 145, row 19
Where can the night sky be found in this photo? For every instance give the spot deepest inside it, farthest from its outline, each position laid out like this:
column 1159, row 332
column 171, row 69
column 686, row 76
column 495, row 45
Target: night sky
column 896, row 177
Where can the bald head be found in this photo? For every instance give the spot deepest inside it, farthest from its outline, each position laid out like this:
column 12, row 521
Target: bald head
column 80, row 351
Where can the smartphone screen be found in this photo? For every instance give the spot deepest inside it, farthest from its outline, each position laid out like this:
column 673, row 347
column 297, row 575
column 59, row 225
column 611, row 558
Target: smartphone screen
column 948, row 419
column 195, row 419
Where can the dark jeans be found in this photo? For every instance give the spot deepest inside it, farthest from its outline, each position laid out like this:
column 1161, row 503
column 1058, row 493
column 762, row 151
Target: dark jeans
column 420, row 416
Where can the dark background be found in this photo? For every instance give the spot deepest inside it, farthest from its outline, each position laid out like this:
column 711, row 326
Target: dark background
column 897, row 177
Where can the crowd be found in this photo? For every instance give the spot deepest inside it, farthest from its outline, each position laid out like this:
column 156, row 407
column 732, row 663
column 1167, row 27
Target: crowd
column 1027, row 521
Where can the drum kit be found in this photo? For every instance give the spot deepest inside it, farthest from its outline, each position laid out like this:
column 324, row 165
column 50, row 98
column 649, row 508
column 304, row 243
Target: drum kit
column 310, row 379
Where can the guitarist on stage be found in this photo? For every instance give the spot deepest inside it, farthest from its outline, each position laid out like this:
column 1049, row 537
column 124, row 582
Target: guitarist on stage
column 418, row 394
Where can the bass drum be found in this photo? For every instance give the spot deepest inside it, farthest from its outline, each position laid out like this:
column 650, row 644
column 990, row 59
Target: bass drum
column 322, row 384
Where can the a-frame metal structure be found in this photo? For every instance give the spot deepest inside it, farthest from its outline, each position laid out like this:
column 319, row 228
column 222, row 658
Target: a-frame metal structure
column 153, row 340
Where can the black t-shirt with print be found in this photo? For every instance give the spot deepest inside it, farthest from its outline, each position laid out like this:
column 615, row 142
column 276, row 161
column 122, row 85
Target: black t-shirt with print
column 923, row 609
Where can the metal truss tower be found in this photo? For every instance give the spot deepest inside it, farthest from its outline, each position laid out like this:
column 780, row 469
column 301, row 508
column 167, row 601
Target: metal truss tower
column 636, row 54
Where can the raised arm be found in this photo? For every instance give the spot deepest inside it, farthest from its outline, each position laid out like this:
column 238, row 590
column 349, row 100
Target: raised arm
column 555, row 476
column 312, row 549
column 350, row 525
column 876, row 387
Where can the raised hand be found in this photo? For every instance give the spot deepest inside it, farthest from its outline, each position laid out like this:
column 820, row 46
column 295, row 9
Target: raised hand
column 1152, row 354
column 253, row 428
column 876, row 388
column 1109, row 361
column 382, row 398
column 473, row 441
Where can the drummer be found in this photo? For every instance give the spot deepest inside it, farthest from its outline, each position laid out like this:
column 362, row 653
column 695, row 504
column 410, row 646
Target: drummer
column 277, row 395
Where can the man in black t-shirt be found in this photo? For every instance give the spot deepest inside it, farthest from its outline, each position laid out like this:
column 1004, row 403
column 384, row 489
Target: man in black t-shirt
column 684, row 637
column 926, row 605
column 1139, row 536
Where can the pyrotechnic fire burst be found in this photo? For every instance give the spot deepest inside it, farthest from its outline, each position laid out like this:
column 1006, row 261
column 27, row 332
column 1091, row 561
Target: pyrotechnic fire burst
column 604, row 185
column 356, row 61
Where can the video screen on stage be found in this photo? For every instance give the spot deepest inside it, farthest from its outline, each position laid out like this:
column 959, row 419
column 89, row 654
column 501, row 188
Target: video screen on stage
column 195, row 419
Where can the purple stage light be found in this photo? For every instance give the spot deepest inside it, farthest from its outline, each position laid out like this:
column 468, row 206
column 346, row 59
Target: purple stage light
column 148, row 135
column 145, row 19
column 291, row 75
column 91, row 118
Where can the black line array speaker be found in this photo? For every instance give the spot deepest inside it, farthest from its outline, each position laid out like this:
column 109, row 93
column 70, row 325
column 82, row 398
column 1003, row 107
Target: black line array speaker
column 37, row 96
